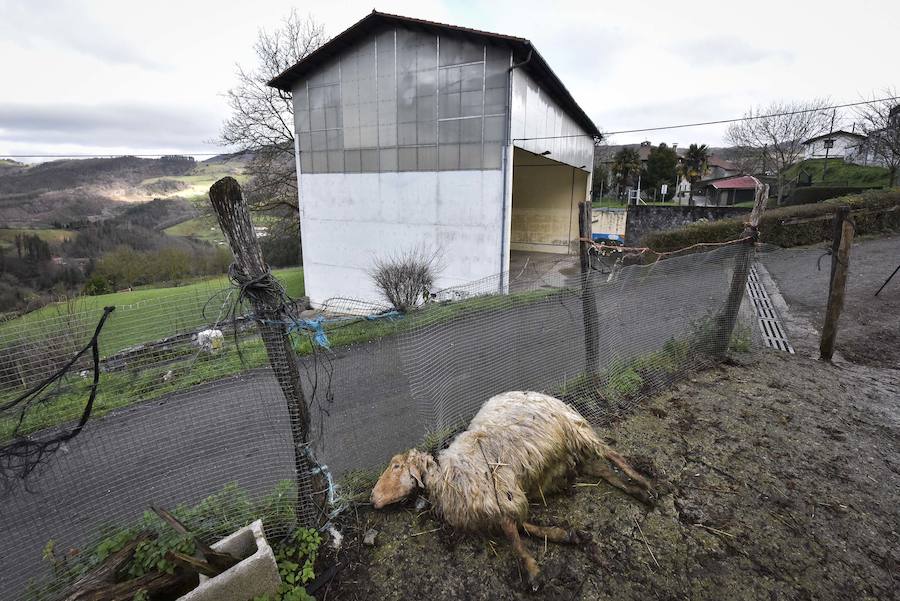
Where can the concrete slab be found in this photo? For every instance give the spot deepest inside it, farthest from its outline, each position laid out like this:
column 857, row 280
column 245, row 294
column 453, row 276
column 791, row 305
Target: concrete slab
column 254, row 576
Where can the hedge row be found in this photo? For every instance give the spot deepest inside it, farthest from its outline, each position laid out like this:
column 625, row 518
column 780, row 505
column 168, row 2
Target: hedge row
column 873, row 211
column 810, row 194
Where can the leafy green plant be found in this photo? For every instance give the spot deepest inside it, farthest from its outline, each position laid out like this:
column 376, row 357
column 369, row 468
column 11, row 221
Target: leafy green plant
column 623, row 381
column 741, row 340
column 214, row 517
column 296, row 557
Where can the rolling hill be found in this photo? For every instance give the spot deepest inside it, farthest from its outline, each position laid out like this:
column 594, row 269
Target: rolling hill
column 78, row 190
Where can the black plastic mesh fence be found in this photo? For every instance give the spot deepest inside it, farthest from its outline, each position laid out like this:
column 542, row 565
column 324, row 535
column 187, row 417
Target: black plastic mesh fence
column 189, row 413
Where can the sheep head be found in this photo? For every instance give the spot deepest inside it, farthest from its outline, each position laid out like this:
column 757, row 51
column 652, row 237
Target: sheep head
column 405, row 473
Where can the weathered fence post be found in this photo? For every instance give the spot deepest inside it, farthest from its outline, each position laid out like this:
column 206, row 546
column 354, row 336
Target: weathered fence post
column 266, row 295
column 840, row 263
column 588, row 292
column 837, row 226
column 728, row 317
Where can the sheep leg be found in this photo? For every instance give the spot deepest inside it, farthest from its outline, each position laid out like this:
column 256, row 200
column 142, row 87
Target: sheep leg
column 640, row 491
column 555, row 534
column 531, row 566
column 629, row 471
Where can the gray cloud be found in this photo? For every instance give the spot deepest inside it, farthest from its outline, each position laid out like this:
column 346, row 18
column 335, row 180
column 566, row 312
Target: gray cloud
column 657, row 114
column 137, row 126
column 727, row 50
column 69, row 26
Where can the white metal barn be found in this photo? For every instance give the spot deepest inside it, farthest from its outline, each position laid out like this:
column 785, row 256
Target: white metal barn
column 413, row 134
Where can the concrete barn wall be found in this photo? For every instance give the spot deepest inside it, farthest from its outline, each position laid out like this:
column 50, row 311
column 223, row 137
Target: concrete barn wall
column 545, row 197
column 609, row 221
column 643, row 220
column 350, row 219
column 400, row 140
column 538, row 125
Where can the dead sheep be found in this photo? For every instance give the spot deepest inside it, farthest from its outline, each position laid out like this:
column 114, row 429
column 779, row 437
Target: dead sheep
column 210, row 340
column 519, row 446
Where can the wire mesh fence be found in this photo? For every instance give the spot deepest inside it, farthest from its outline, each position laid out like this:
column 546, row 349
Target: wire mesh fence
column 190, row 411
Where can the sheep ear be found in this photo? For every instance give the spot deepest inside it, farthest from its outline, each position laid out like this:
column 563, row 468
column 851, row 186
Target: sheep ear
column 416, row 473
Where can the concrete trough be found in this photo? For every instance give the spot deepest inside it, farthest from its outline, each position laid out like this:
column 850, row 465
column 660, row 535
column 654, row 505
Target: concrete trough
column 255, row 575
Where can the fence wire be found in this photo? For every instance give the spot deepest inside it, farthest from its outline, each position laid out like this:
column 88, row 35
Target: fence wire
column 189, row 412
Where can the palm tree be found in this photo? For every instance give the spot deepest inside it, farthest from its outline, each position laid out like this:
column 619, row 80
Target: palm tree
column 626, row 164
column 693, row 166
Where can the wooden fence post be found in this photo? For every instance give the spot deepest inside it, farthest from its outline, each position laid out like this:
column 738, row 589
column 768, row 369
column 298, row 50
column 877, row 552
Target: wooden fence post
column 728, row 317
column 588, row 292
column 840, row 265
column 267, row 297
column 837, row 227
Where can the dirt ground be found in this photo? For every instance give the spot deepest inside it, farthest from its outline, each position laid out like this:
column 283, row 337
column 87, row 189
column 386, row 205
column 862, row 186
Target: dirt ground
column 779, row 474
column 869, row 327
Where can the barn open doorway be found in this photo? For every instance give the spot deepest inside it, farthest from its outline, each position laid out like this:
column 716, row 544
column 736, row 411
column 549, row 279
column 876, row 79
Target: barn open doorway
column 545, row 197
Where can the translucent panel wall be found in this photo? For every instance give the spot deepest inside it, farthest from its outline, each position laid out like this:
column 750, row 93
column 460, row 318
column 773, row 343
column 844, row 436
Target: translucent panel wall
column 405, row 100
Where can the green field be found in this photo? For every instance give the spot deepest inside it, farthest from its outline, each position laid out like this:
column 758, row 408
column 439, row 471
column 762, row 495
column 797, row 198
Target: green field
column 201, row 177
column 153, row 322
column 839, row 173
column 202, row 228
column 142, row 315
column 8, row 236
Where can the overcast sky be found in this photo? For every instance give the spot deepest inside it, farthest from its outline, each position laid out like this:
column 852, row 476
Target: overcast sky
column 115, row 77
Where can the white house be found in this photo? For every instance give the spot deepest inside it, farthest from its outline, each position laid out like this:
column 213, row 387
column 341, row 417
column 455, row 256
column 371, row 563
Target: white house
column 414, row 134
column 839, row 144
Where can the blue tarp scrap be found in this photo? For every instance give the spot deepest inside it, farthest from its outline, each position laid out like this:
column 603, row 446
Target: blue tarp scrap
column 612, row 237
column 317, row 325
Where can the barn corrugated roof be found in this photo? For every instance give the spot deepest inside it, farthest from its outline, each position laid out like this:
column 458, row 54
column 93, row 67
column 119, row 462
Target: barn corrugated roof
column 522, row 48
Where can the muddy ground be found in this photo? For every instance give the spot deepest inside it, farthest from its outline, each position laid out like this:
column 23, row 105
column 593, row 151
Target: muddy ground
column 780, row 477
column 779, row 474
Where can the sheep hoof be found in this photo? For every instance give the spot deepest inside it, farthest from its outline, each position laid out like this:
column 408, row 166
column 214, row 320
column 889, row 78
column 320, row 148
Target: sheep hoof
column 535, row 581
column 579, row 537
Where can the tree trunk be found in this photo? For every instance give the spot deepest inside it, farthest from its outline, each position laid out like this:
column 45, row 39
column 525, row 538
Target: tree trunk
column 267, row 297
column 780, row 189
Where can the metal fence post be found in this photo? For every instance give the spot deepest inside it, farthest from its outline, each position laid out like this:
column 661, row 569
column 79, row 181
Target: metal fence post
column 588, row 292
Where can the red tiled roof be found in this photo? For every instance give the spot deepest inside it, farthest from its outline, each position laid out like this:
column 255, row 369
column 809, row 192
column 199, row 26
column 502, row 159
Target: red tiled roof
column 742, row 182
column 715, row 161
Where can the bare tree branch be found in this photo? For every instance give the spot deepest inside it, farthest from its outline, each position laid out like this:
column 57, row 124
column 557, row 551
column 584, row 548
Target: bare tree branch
column 880, row 122
column 262, row 118
column 777, row 132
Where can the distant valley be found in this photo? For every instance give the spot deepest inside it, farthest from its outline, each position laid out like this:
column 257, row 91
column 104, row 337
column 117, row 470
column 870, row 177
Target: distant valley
column 94, row 226
column 60, row 193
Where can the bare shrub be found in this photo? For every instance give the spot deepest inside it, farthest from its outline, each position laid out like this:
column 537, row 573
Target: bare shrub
column 405, row 279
